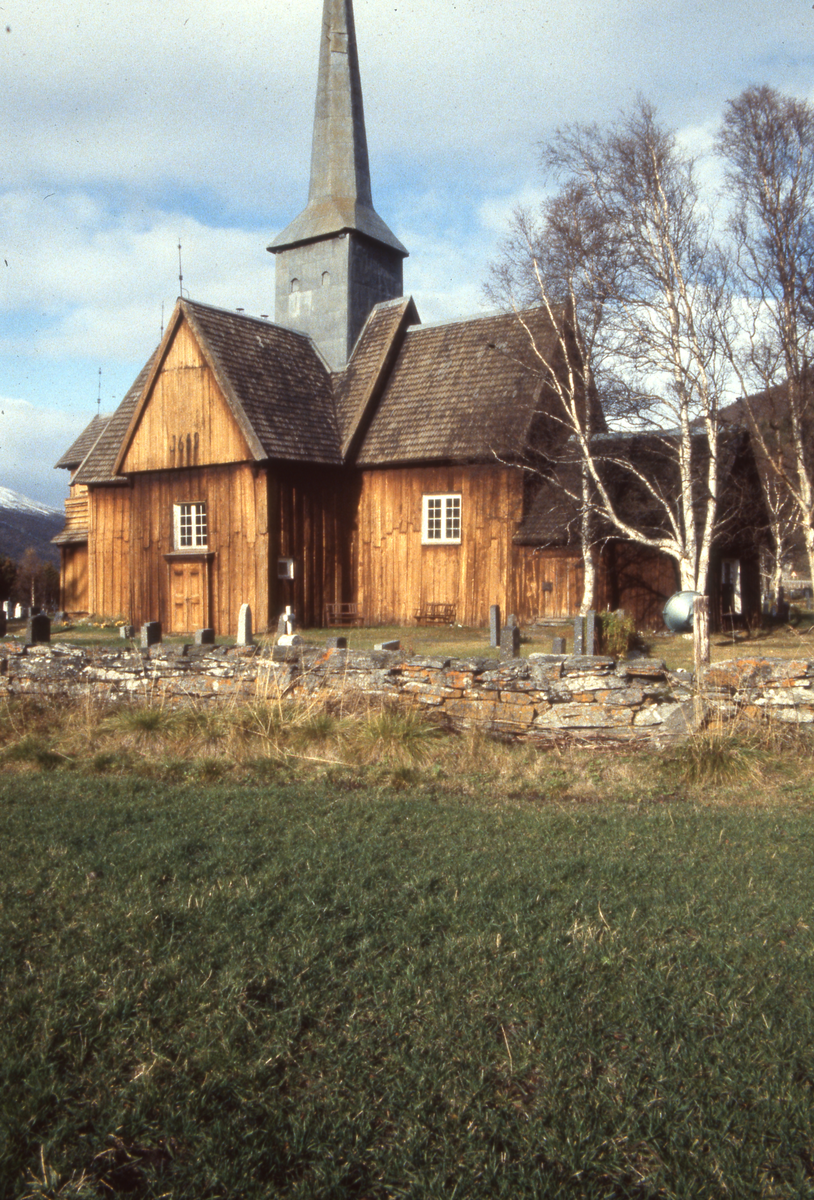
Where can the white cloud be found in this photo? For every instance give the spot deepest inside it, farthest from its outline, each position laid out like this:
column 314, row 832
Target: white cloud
column 32, row 438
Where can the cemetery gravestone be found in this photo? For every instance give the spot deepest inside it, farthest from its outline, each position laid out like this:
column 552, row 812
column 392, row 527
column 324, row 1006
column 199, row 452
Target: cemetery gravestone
column 38, row 630
column 494, row 625
column 244, row 626
column 510, row 642
column 150, row 634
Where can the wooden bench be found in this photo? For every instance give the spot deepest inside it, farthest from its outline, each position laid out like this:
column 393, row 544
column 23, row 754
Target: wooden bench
column 436, row 614
column 343, row 613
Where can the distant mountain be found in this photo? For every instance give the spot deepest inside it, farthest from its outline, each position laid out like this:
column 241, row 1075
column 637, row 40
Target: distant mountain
column 25, row 523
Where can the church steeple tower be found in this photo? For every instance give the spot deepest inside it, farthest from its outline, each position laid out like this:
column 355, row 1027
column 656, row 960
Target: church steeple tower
column 337, row 258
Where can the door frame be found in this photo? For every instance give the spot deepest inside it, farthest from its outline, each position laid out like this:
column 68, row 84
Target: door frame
column 188, row 557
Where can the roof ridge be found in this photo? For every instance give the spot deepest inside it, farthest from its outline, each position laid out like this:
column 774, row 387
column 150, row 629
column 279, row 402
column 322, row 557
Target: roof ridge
column 491, row 314
column 265, row 322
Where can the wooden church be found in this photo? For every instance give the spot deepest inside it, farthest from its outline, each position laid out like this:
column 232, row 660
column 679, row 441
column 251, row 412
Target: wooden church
column 342, row 454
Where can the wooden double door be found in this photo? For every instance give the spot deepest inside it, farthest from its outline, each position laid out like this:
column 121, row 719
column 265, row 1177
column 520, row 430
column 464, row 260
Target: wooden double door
column 189, row 593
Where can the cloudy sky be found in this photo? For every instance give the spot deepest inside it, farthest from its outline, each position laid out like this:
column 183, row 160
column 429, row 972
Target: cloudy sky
column 131, row 124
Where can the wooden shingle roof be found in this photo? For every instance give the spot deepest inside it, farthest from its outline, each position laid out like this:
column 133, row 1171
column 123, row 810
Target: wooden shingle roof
column 76, row 453
column 99, row 465
column 358, row 387
column 277, row 383
column 274, row 380
column 465, row 391
column 462, row 391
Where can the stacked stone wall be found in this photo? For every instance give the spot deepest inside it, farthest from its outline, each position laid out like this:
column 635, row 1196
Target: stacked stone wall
column 542, row 699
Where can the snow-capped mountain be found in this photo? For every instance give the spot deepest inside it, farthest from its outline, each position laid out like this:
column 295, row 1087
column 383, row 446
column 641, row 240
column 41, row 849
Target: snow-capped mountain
column 15, row 500
column 25, row 523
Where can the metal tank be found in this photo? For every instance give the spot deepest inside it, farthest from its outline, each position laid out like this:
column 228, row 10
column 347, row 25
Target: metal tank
column 677, row 612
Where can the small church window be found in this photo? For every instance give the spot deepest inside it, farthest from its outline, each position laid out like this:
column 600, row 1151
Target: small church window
column 326, row 278
column 295, row 285
column 190, row 526
column 441, row 520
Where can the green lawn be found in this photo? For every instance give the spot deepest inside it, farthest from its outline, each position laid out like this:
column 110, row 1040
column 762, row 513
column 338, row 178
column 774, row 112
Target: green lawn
column 325, row 988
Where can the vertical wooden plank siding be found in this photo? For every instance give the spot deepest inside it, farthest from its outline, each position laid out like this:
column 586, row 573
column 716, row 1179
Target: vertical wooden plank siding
column 132, row 530
column 237, row 539
column 109, row 551
column 186, row 421
column 311, row 513
column 549, row 582
column 639, row 581
column 73, row 585
column 397, row 575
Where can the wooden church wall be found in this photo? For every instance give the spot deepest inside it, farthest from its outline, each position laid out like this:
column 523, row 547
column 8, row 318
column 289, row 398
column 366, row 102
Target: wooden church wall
column 547, row 583
column 109, row 552
column 186, row 421
column 397, row 575
column 237, row 552
column 73, row 583
column 314, row 510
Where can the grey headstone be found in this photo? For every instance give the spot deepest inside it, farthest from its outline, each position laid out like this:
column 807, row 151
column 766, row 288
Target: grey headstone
column 558, row 645
column 127, row 631
column 395, row 645
column 494, row 625
column 511, row 621
column 590, row 634
column 244, row 626
column 21, row 613
column 204, row 637
column 150, row 634
column 282, row 625
column 579, row 637
column 510, row 642
column 38, row 630
column 336, row 643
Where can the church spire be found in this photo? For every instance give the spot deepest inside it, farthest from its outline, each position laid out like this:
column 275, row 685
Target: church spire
column 339, row 197
column 337, row 259
column 339, row 161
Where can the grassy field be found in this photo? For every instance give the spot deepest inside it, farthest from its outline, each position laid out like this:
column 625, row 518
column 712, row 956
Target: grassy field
column 436, row 971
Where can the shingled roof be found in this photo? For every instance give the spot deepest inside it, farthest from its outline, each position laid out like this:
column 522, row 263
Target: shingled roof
column 360, row 384
column 76, row 453
column 99, row 465
column 274, row 380
column 464, row 391
column 277, row 383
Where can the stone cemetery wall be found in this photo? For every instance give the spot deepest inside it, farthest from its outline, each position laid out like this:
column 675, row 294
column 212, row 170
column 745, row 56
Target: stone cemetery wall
column 542, row 699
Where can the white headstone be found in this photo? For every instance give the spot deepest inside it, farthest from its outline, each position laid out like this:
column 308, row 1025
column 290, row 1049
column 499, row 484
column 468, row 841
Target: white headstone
column 244, row 626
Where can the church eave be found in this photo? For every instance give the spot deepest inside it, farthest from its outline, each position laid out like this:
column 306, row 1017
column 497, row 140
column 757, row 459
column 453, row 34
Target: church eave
column 330, row 218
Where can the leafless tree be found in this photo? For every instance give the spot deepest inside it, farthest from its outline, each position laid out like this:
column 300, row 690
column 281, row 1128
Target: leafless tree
column 767, row 141
column 627, row 244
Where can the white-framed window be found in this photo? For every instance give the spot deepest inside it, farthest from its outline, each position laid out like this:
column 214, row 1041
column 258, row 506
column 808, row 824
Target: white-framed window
column 190, row 526
column 441, row 520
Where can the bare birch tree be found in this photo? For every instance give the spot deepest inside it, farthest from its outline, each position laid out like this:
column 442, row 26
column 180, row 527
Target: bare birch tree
column 767, row 141
column 627, row 244
column 566, row 251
